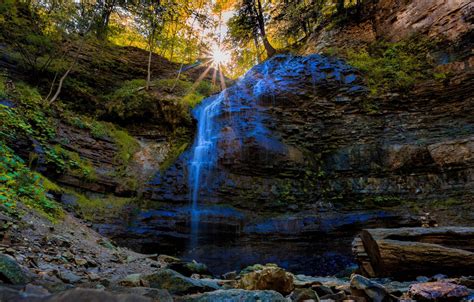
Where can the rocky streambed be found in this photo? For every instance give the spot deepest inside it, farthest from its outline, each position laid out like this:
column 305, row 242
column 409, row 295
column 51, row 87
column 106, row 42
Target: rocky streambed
column 67, row 261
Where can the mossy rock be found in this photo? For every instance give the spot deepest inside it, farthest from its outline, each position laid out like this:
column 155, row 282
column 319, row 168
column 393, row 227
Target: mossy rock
column 190, row 268
column 178, row 284
column 10, row 271
column 256, row 267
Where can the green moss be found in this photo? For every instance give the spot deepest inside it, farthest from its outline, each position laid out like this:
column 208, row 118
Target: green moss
column 192, row 99
column 50, row 186
column 127, row 144
column 3, row 88
column 81, row 167
column 93, row 209
column 11, row 271
column 176, row 150
column 130, row 100
column 19, row 184
column 177, row 87
column 393, row 66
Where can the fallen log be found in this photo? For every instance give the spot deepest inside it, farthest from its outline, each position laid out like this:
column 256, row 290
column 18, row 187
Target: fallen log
column 405, row 253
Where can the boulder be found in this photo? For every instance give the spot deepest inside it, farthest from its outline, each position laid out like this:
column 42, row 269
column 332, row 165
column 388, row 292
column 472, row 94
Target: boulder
column 304, row 294
column 268, row 278
column 159, row 295
column 178, row 284
column 10, row 271
column 91, row 295
column 189, row 268
column 361, row 287
column 133, row 280
column 235, row 295
column 69, row 277
column 166, row 260
column 438, row 291
column 307, row 281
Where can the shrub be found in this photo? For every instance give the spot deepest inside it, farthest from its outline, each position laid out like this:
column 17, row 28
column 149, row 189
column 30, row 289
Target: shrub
column 18, row 183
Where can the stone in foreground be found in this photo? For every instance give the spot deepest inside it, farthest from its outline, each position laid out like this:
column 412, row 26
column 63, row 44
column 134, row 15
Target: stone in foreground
column 10, row 271
column 268, row 278
column 438, row 291
column 178, row 284
column 361, row 286
column 236, row 295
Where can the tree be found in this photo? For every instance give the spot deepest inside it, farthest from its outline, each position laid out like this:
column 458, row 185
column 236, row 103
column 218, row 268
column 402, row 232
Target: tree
column 25, row 31
column 242, row 30
column 78, row 25
column 150, row 17
column 261, row 25
column 249, row 23
column 340, row 5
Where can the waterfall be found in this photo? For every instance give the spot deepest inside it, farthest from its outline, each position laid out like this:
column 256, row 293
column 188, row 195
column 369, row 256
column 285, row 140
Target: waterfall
column 203, row 158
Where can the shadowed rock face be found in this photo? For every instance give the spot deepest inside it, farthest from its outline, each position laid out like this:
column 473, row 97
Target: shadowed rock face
column 293, row 135
column 253, row 158
column 297, row 157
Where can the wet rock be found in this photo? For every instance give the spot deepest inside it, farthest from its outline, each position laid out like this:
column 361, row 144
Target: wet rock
column 32, row 289
column 339, row 296
column 10, row 271
column 165, row 260
column 466, row 281
column 229, row 276
column 69, row 277
column 91, row 295
column 133, row 280
column 307, row 281
column 158, row 295
column 235, row 295
column 9, row 294
column 93, row 276
column 59, row 241
column 268, row 278
column 80, row 261
column 438, row 291
column 438, row 277
column 69, row 201
column 322, row 290
column 189, row 268
column 398, row 288
column 361, row 286
column 176, row 283
column 303, row 295
column 422, row 279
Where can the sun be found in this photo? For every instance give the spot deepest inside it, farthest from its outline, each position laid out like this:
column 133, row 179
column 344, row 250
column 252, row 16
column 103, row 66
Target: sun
column 219, row 56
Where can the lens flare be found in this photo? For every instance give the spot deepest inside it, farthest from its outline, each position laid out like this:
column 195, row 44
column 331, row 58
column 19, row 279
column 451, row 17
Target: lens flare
column 219, row 56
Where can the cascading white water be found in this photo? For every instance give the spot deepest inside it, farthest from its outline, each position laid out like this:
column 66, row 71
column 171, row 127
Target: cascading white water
column 203, row 158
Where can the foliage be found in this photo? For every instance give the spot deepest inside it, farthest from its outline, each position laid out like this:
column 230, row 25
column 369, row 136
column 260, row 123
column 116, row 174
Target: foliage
column 30, row 119
column 127, row 144
column 393, row 66
column 130, row 100
column 19, row 184
column 90, row 208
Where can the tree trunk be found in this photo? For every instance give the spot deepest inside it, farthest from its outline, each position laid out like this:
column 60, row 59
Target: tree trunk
column 257, row 48
column 261, row 25
column 409, row 252
column 340, row 6
column 148, row 76
column 103, row 25
column 60, row 85
column 61, row 80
